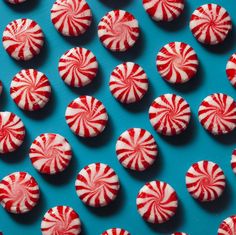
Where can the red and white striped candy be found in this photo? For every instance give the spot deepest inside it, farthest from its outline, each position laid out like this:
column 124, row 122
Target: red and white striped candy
column 177, row 62
column 12, row 132
column 116, row 231
column 50, row 153
column 30, row 89
column 86, row 116
column 15, row 1
column 233, row 161
column 128, row 82
column 169, row 114
column 217, row 113
column 136, row 149
column 231, row 70
column 118, row 30
column 157, row 202
column 210, row 24
column 1, row 87
column 228, row 226
column 164, row 10
column 97, row 185
column 19, row 192
column 179, row 233
column 78, row 67
column 61, row 220
column 205, row 181
column 23, row 39
column 71, row 17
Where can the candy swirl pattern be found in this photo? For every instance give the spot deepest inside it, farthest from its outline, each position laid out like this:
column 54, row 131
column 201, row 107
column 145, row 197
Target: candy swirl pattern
column 169, row 114
column 30, row 89
column 12, row 132
column 71, row 17
column 116, row 231
column 233, row 161
column 210, row 24
column 157, row 202
column 228, row 226
column 97, row 185
column 177, row 62
column 205, row 181
column 217, row 114
column 23, row 39
column 118, row 30
column 78, row 67
column 50, row 153
column 61, row 220
column 136, row 149
column 86, row 116
column 164, row 10
column 231, row 70
column 128, row 83
column 19, row 192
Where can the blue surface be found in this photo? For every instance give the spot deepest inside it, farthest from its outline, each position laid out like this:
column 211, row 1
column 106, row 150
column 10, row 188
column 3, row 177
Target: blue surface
column 176, row 154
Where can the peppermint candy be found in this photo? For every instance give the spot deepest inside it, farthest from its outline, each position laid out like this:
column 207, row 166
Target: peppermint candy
column 78, row 67
column 116, row 231
column 205, row 181
column 177, row 62
column 128, row 83
column 61, row 220
column 15, row 1
column 157, row 202
column 118, row 30
column 228, row 226
column 136, row 149
column 19, row 192
column 217, row 114
column 169, row 114
column 179, row 233
column 1, row 88
column 23, row 39
column 97, row 185
column 86, row 116
column 210, row 24
column 163, row 10
column 50, row 153
column 233, row 161
column 231, row 70
column 12, row 132
column 71, row 17
column 30, row 89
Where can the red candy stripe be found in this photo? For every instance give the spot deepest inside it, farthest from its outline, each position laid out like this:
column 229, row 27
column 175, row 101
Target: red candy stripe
column 116, row 231
column 177, row 62
column 228, row 226
column 86, row 116
column 97, row 185
column 50, row 153
column 15, row 1
column 136, row 149
column 233, row 161
column 231, row 70
column 23, row 39
column 78, row 67
column 128, row 83
column 71, row 17
column 217, row 114
column 12, row 132
column 169, row 114
column 30, row 89
column 61, row 220
column 205, row 181
column 210, row 24
column 157, row 202
column 163, row 10
column 19, row 192
column 118, row 30
column 179, row 233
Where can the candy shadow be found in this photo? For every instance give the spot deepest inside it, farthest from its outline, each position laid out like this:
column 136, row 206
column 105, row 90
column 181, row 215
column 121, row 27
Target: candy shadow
column 116, row 4
column 25, row 6
column 177, row 24
column 219, row 205
column 3, row 99
column 112, row 208
column 33, row 216
column 172, row 225
column 227, row 139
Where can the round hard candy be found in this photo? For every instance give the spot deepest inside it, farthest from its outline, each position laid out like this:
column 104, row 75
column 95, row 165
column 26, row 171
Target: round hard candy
column 116, row 231
column 231, row 69
column 228, row 226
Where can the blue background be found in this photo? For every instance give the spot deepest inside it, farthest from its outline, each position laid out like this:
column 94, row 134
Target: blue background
column 176, row 153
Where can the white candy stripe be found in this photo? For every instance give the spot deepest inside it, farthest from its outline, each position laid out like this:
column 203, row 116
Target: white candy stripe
column 116, row 231
column 228, row 226
column 231, row 70
column 233, row 161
